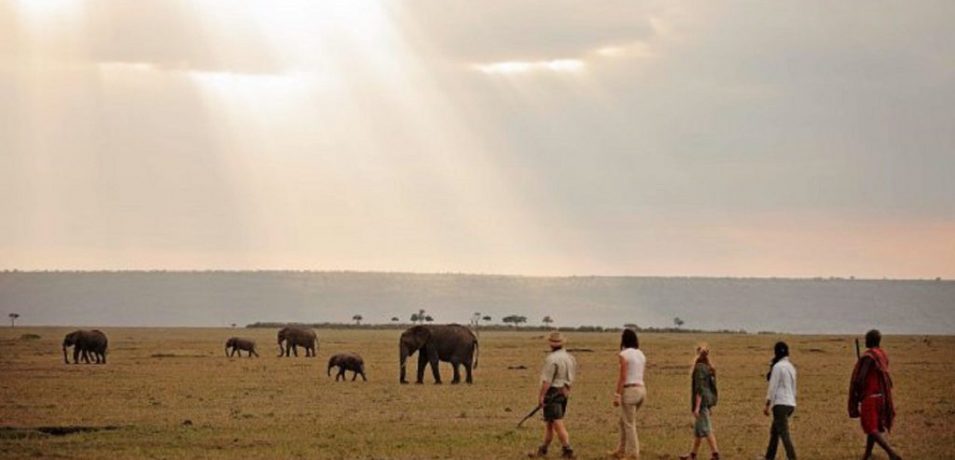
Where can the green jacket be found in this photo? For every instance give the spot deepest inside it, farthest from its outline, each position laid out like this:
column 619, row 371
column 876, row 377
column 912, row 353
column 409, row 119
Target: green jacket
column 704, row 384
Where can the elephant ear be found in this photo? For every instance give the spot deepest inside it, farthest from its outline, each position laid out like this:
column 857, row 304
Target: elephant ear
column 422, row 335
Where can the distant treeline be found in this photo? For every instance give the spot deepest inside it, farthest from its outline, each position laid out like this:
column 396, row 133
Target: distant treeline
column 493, row 327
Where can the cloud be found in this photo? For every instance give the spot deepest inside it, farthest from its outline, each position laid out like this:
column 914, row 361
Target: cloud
column 521, row 67
column 637, row 49
column 184, row 68
column 120, row 66
column 631, row 50
column 527, row 31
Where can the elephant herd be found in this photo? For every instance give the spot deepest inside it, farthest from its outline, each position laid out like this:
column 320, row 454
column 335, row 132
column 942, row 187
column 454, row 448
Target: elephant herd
column 450, row 343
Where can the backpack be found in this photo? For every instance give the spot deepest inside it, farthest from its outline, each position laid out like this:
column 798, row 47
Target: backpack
column 713, row 396
column 709, row 393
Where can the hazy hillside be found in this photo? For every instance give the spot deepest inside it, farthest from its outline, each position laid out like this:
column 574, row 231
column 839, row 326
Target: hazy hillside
column 220, row 298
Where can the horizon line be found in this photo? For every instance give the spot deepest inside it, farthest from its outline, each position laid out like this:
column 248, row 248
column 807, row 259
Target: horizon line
column 464, row 273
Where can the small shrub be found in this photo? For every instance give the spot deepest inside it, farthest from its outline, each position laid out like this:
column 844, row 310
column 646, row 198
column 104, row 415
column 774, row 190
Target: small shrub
column 29, row 337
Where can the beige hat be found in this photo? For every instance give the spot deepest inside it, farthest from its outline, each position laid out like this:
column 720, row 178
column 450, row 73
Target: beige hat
column 555, row 339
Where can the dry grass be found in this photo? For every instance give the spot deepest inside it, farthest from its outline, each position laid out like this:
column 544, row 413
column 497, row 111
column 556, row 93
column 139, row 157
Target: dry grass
column 158, row 379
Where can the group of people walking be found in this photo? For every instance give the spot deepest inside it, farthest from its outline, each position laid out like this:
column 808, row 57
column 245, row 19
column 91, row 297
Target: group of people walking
column 870, row 397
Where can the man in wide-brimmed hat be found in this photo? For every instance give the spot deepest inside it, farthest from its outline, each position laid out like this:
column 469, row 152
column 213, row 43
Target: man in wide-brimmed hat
column 556, row 379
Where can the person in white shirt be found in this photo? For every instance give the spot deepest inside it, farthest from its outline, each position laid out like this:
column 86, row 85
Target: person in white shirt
column 630, row 394
column 780, row 400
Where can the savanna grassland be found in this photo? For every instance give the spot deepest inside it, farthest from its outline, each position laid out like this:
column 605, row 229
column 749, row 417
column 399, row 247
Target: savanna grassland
column 171, row 393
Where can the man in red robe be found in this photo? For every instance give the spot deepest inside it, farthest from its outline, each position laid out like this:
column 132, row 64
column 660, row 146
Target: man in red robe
column 870, row 395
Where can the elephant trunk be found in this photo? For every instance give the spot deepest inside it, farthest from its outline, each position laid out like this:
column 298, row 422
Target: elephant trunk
column 402, row 360
column 227, row 349
column 281, row 348
column 330, row 366
column 65, row 359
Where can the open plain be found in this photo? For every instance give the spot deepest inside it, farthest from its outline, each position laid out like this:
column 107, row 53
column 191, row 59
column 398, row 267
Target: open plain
column 172, row 393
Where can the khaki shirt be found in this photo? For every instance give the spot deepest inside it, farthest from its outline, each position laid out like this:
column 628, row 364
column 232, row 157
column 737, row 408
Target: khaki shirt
column 559, row 369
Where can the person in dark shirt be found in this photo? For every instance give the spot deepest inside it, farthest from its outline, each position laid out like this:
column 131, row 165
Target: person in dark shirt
column 702, row 398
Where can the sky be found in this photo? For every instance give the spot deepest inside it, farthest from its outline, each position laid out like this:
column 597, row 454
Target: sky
column 739, row 138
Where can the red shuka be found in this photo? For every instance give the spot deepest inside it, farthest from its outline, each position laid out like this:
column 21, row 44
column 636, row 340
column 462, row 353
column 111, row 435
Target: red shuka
column 873, row 360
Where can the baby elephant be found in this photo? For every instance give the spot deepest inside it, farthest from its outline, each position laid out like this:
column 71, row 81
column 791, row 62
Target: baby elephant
column 347, row 362
column 237, row 345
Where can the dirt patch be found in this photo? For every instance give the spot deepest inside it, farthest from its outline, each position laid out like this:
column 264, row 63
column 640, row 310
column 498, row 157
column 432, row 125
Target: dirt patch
column 174, row 355
column 9, row 432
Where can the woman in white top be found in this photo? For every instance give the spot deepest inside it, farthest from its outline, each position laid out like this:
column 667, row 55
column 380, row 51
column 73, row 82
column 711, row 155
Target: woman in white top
column 781, row 400
column 630, row 394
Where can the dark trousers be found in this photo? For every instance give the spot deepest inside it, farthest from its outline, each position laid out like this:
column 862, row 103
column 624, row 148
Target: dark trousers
column 780, row 430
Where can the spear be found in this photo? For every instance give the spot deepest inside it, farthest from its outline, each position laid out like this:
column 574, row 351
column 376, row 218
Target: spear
column 858, row 353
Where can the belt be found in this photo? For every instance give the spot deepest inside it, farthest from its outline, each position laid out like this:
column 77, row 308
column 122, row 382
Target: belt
column 877, row 395
column 631, row 385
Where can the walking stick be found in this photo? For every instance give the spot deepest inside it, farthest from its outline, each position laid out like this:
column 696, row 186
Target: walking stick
column 528, row 416
column 858, row 353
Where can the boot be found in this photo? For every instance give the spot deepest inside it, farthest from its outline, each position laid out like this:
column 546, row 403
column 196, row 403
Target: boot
column 715, row 456
column 541, row 452
column 689, row 456
column 568, row 452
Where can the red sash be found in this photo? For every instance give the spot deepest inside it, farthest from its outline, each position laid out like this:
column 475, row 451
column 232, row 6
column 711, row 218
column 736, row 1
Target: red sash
column 873, row 360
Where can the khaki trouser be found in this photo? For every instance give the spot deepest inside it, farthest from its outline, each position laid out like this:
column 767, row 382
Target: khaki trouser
column 631, row 400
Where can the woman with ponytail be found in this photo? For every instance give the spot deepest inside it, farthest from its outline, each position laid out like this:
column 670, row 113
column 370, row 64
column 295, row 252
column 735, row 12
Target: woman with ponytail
column 780, row 400
column 702, row 399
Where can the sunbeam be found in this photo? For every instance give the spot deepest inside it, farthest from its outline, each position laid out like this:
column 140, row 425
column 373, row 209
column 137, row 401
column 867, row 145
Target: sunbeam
column 502, row 137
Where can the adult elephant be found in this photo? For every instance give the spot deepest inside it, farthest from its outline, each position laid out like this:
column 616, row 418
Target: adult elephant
column 347, row 362
column 451, row 343
column 238, row 345
column 292, row 337
column 86, row 343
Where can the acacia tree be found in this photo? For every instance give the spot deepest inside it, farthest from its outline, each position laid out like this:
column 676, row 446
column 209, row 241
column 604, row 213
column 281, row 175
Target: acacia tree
column 486, row 319
column 394, row 319
column 547, row 321
column 428, row 318
column 357, row 319
column 678, row 322
column 414, row 318
column 421, row 315
column 516, row 320
column 13, row 319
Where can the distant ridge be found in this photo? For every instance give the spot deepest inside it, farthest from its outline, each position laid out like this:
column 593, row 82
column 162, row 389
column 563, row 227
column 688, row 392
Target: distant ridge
column 223, row 297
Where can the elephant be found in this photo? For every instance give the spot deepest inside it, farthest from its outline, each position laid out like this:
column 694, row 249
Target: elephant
column 451, row 343
column 237, row 345
column 85, row 344
column 295, row 337
column 347, row 362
